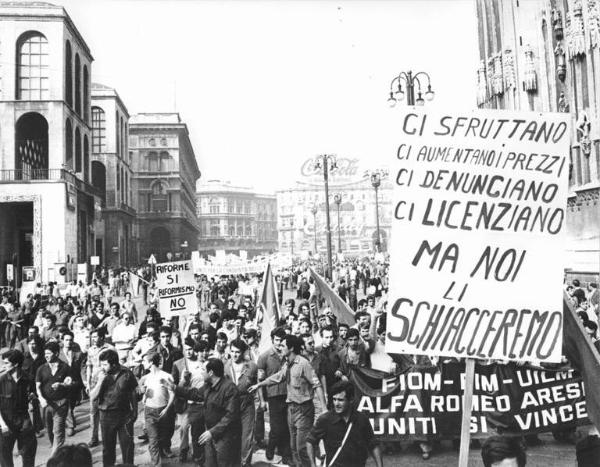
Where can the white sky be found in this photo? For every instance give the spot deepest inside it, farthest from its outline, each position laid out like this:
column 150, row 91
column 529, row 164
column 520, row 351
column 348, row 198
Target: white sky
column 264, row 85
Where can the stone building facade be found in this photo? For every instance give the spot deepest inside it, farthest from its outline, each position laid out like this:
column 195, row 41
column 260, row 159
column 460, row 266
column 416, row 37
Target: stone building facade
column 165, row 172
column 544, row 55
column 235, row 218
column 112, row 174
column 355, row 233
column 47, row 204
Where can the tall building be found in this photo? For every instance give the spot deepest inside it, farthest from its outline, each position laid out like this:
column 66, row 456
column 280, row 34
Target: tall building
column 235, row 218
column 112, row 174
column 47, row 205
column 165, row 172
column 302, row 214
column 543, row 55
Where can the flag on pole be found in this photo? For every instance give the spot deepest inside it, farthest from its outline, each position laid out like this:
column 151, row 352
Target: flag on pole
column 339, row 307
column 268, row 310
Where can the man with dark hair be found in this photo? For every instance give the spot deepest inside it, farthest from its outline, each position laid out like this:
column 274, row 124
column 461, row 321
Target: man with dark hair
column 53, row 383
column 346, row 433
column 190, row 370
column 71, row 455
column 220, row 351
column 213, row 318
column 301, row 383
column 22, row 345
column 115, row 391
column 578, row 292
column 243, row 373
column 33, row 359
column 329, row 361
column 75, row 359
column 222, row 415
column 16, row 390
column 92, row 370
column 159, row 394
column 503, row 450
column 269, row 363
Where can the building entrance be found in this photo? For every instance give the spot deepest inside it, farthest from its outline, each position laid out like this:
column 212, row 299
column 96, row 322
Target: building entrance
column 16, row 238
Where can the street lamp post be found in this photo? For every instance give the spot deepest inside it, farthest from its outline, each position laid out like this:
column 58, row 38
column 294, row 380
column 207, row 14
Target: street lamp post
column 338, row 200
column 327, row 162
column 376, row 176
column 410, row 80
column 314, row 212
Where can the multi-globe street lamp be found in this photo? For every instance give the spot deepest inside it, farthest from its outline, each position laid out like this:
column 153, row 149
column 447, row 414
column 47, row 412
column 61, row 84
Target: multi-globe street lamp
column 338, row 200
column 328, row 163
column 410, row 80
column 376, row 176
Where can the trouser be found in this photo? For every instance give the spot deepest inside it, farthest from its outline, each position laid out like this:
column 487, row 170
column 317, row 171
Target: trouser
column 115, row 423
column 300, row 421
column 36, row 415
column 94, row 418
column 55, row 420
column 247, row 417
column 279, row 435
column 192, row 420
column 26, row 444
column 169, row 429
column 156, row 428
column 224, row 452
column 259, row 426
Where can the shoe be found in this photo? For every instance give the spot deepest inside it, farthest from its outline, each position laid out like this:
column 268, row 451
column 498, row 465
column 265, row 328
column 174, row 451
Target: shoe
column 269, row 453
column 426, row 455
column 93, row 443
column 143, row 437
column 166, row 452
column 71, row 432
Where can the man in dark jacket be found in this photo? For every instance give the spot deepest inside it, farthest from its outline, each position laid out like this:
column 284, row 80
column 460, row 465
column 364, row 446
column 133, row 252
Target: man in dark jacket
column 16, row 390
column 222, row 416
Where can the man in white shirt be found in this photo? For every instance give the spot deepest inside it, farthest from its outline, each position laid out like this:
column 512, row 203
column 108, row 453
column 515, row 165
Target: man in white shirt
column 159, row 394
column 128, row 306
column 190, row 371
column 123, row 337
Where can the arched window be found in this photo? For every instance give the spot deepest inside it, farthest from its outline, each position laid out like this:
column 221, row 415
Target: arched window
column 32, row 67
column 77, row 150
column 98, row 130
column 232, row 231
column 31, row 147
column 68, row 74
column 240, row 231
column 248, row 231
column 68, row 144
column 86, row 86
column 152, row 161
column 77, row 85
column 86, row 159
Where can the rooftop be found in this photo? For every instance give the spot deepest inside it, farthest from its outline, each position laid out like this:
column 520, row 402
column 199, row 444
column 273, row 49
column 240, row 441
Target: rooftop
column 154, row 118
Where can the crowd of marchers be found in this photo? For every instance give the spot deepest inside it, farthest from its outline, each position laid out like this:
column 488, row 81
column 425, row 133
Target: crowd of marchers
column 206, row 375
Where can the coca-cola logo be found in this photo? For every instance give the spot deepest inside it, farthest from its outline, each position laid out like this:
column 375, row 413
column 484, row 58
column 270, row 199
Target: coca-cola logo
column 346, row 168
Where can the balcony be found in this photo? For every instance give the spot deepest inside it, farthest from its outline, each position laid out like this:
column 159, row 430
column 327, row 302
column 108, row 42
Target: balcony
column 47, row 175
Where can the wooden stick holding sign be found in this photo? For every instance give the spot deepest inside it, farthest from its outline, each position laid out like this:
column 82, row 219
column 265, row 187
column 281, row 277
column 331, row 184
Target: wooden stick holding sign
column 465, row 430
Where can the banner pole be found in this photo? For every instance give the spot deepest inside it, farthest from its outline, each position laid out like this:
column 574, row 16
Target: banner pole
column 465, row 432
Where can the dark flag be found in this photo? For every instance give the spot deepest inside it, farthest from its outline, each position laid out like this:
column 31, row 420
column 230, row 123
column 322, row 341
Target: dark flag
column 339, row 307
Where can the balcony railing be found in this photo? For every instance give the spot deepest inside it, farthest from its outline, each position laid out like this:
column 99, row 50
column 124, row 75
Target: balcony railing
column 37, row 175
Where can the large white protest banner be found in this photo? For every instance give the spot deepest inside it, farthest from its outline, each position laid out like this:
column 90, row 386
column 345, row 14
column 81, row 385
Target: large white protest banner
column 176, row 289
column 478, row 220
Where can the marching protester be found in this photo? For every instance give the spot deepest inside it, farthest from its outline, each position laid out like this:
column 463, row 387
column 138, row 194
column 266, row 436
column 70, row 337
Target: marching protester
column 346, row 433
column 16, row 392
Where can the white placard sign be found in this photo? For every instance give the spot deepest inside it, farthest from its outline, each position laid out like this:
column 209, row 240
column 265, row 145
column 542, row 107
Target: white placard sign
column 176, row 289
column 479, row 212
